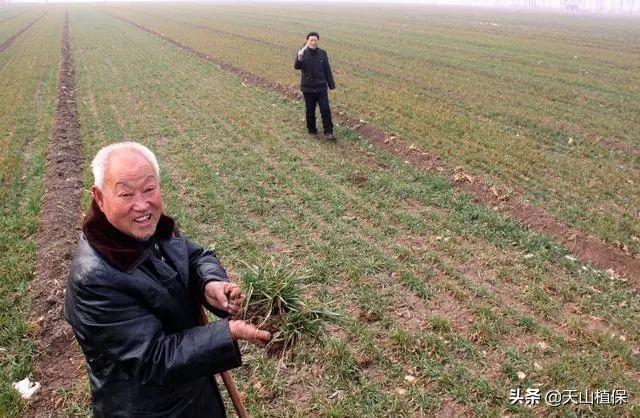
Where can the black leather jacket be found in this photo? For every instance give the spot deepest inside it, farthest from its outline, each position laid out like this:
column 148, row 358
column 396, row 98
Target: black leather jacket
column 315, row 70
column 139, row 329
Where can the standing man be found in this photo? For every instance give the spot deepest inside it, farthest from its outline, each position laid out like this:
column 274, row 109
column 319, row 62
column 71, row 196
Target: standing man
column 133, row 300
column 315, row 77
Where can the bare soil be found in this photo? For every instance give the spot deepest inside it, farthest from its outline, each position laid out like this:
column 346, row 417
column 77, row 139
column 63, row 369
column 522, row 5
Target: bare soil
column 58, row 362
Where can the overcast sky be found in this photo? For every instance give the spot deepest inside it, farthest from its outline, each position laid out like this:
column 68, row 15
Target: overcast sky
column 605, row 6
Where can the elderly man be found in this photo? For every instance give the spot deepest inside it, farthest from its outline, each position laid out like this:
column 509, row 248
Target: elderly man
column 134, row 294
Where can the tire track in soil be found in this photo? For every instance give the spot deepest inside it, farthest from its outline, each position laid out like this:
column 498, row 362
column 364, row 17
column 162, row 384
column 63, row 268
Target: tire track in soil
column 510, row 205
column 58, row 362
column 11, row 17
column 6, row 44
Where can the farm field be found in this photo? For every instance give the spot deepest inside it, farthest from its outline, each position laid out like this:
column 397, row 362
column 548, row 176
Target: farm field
column 428, row 283
column 543, row 105
column 28, row 85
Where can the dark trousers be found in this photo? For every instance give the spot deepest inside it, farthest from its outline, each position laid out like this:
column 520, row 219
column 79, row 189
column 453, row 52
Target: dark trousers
column 321, row 98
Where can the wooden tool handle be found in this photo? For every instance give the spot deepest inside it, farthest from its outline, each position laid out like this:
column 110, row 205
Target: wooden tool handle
column 236, row 399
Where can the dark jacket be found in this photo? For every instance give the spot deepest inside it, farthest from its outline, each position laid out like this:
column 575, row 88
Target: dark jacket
column 134, row 309
column 315, row 71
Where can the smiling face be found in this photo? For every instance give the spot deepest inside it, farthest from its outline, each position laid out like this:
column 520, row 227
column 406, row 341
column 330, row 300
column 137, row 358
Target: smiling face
column 131, row 198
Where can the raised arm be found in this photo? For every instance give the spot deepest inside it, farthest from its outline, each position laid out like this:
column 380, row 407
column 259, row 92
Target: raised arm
column 299, row 57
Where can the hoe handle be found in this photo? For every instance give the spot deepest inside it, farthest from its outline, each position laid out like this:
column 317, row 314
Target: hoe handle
column 228, row 381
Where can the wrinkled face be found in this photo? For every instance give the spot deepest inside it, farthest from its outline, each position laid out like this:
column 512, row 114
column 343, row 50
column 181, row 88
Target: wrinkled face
column 131, row 198
column 312, row 42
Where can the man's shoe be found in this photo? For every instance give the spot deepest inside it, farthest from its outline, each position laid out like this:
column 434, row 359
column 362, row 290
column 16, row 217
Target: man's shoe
column 314, row 134
column 330, row 136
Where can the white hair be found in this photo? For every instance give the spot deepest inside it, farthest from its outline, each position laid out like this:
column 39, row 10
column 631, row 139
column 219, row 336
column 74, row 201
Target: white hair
column 99, row 163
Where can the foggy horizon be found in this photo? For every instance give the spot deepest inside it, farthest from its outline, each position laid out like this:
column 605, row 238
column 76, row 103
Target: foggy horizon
column 626, row 7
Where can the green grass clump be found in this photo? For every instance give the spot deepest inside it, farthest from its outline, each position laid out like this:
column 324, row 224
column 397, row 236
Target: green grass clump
column 274, row 301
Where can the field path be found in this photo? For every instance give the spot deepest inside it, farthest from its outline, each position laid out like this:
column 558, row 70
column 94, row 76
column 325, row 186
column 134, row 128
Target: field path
column 507, row 203
column 6, row 19
column 58, row 363
column 6, row 44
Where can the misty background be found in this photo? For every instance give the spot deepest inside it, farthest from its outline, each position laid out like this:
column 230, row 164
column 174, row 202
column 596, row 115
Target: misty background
column 569, row 6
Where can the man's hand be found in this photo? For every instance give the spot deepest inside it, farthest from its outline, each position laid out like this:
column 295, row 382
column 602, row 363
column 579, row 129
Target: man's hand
column 241, row 330
column 224, row 296
column 301, row 52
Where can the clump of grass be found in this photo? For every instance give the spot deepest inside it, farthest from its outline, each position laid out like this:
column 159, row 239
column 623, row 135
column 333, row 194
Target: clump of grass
column 440, row 324
column 274, row 301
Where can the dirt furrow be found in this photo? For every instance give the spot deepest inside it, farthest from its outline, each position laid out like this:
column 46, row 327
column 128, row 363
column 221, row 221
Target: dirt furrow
column 58, row 363
column 6, row 19
column 590, row 249
column 6, row 44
